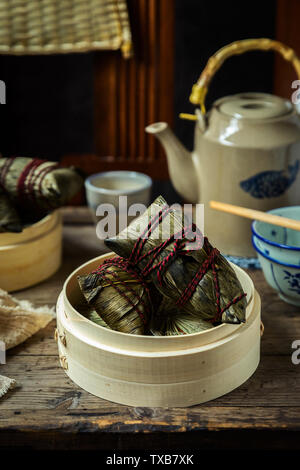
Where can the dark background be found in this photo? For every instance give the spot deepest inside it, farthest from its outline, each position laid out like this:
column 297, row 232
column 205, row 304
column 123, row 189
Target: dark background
column 49, row 110
column 203, row 27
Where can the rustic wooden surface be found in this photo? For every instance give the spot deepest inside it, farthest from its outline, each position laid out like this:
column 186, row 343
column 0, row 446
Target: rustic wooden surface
column 47, row 410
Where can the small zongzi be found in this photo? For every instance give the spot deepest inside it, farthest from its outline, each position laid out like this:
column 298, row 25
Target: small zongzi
column 84, row 308
column 180, row 324
column 170, row 321
column 118, row 295
column 37, row 185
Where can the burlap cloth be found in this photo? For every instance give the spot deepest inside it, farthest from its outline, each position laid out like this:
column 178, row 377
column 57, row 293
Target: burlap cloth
column 18, row 321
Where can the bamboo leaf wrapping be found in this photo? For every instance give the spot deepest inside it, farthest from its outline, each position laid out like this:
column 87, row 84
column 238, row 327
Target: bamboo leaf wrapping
column 202, row 303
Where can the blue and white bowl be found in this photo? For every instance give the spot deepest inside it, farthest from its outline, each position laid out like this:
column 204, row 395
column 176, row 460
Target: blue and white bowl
column 278, row 251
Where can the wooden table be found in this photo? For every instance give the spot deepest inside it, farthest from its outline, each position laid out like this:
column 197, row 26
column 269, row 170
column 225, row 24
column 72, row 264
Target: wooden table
column 48, row 411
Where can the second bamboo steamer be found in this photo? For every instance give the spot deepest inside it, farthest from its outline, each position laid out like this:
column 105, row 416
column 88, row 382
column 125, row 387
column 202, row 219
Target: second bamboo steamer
column 31, row 256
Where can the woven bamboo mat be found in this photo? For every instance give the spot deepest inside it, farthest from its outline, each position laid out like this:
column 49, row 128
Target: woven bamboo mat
column 63, row 26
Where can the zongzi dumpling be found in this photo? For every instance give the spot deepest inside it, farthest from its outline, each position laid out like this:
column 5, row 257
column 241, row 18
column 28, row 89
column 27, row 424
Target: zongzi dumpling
column 118, row 296
column 170, row 321
column 84, row 308
column 38, row 184
column 200, row 280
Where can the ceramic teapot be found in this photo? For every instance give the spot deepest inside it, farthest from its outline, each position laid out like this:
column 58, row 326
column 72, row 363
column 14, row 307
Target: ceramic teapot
column 246, row 152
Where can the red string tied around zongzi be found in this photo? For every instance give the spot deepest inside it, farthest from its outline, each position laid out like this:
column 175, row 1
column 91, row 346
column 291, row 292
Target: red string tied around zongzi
column 30, row 176
column 189, row 234
column 126, row 266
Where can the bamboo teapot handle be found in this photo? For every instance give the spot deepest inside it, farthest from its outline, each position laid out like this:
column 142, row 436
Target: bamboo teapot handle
column 200, row 88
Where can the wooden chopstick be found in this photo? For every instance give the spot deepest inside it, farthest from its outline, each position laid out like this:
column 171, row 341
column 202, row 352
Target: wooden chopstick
column 256, row 215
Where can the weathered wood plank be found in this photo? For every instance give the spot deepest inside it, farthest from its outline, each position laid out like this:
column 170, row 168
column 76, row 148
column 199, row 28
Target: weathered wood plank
column 197, row 442
column 76, row 215
column 134, row 420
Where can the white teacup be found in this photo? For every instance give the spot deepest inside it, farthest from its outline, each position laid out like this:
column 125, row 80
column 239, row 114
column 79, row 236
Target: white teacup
column 107, row 187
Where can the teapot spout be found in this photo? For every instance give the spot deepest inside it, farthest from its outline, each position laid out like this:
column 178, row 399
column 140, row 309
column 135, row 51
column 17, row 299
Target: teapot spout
column 180, row 162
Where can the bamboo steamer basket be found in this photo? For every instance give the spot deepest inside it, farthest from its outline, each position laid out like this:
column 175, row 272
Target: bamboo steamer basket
column 156, row 371
column 31, row 256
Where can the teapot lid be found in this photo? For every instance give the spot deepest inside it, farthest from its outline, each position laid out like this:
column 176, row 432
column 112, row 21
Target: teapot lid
column 254, row 106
